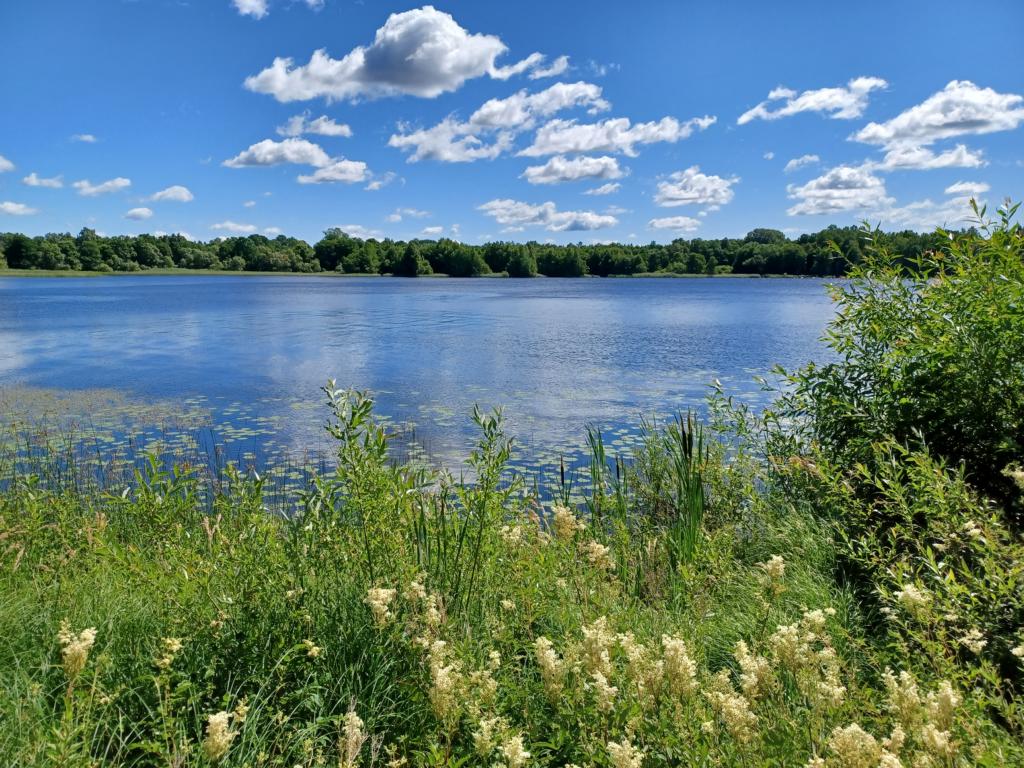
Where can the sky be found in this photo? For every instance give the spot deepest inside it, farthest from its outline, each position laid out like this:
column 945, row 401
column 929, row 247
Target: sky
column 551, row 121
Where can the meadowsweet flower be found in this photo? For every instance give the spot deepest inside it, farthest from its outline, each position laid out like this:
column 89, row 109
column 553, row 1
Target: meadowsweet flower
column 75, row 648
column 775, row 569
column 379, row 601
column 494, row 661
column 597, row 643
column 564, row 523
column 511, row 534
column 219, row 736
column 804, row 650
column 604, row 692
column 485, row 737
column 599, row 556
column 889, row 760
column 624, row 755
column 936, row 741
column 1016, row 474
column 353, row 737
column 732, row 708
column 552, row 668
column 415, row 592
column 1018, row 651
column 854, row 747
column 915, row 600
column 508, row 606
column 941, row 705
column 514, row 753
column 815, row 762
column 755, row 672
column 171, row 647
column 902, row 697
column 241, row 711
column 974, row 641
column 445, row 683
column 312, row 649
column 680, row 670
column 897, row 738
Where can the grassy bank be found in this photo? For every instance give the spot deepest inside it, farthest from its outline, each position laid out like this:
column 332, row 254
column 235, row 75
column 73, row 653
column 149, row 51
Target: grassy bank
column 837, row 582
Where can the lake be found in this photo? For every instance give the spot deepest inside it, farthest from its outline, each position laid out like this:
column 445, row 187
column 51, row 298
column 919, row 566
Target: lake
column 241, row 359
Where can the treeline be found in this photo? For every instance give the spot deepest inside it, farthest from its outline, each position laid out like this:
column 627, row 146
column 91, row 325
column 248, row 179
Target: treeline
column 829, row 252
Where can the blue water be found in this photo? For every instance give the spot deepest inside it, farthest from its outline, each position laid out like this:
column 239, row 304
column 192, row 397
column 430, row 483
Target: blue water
column 556, row 354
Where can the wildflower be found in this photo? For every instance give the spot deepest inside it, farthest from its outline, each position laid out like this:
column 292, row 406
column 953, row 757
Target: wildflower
column 508, row 606
column 804, row 650
column 292, row 594
column 624, row 755
column 514, row 753
column 896, row 740
column 1016, row 474
column 171, row 647
column 755, row 671
column 552, row 668
column 597, row 642
column 379, row 601
column 854, row 747
column 564, row 522
column 889, row 760
column 604, row 692
column 219, row 736
column 775, row 569
column 914, row 599
column 241, row 711
column 599, row 556
column 494, row 661
column 1018, row 651
column 415, row 592
column 732, row 708
column 971, row 530
column 815, row 762
column 445, row 680
column 903, row 698
column 312, row 650
column 941, row 705
column 511, row 534
column 485, row 738
column 75, row 650
column 974, row 641
column 936, row 741
column 353, row 737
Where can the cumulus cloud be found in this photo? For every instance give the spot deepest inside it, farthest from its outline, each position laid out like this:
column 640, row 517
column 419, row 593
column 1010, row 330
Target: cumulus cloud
column 5, row 165
column 491, row 129
column 691, row 187
column 917, row 158
column 234, row 227
column 88, row 189
column 321, row 126
column 35, row 180
column 968, row 188
column 432, row 231
column 844, row 188
column 255, row 8
column 339, row 171
column 556, row 68
column 139, row 214
column 517, row 215
column 381, row 181
column 769, row 155
column 85, row 138
column 559, row 137
column 401, row 213
column 800, row 162
column 273, row 231
column 358, row 230
column 675, row 223
column 17, row 209
column 423, row 52
column 960, row 109
column 270, row 152
column 838, row 103
column 560, row 169
column 604, row 189
column 176, row 194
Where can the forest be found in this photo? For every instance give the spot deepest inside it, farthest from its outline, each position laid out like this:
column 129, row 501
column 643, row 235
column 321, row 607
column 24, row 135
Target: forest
column 830, row 252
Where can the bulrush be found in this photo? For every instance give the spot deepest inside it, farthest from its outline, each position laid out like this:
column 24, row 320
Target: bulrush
column 75, row 648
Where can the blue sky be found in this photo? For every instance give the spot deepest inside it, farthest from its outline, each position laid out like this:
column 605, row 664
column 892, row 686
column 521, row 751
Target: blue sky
column 486, row 120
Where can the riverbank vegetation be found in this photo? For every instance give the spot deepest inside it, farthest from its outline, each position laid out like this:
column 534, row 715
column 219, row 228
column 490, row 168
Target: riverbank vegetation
column 836, row 582
column 830, row 252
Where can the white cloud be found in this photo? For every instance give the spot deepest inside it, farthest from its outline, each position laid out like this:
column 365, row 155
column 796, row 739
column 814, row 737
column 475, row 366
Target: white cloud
column 85, row 138
column 844, row 188
column 968, row 188
column 249, row 204
column 422, row 52
column 769, row 155
column 17, row 209
column 340, row 170
column 917, row 158
column 177, row 194
column 604, row 189
column 270, row 152
column 139, row 214
column 162, row 233
column 234, row 227
column 556, row 68
column 401, row 213
column 559, row 137
column 960, row 109
column 691, row 187
column 517, row 215
column 5, row 165
column 800, row 162
column 840, row 103
column 358, row 230
column 432, row 231
column 315, row 5
column 273, row 231
column 380, row 182
column 454, row 141
column 321, row 126
column 35, row 180
column 87, row 189
column 255, row 8
column 676, row 223
column 560, row 169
